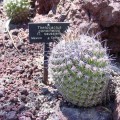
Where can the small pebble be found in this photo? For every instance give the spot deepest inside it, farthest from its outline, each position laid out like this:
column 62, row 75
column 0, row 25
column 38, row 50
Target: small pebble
column 15, row 32
column 10, row 115
column 24, row 92
column 24, row 118
column 23, row 98
column 21, row 107
column 6, row 36
column 45, row 91
column 14, row 100
column 1, row 93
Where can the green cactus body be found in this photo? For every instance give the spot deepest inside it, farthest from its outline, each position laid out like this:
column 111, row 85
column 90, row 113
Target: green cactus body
column 17, row 10
column 80, row 70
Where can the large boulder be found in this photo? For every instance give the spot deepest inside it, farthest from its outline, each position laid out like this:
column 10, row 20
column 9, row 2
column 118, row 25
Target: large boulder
column 44, row 6
column 107, row 14
column 93, row 16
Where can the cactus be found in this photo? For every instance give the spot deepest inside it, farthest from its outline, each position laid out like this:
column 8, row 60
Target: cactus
column 79, row 66
column 17, row 10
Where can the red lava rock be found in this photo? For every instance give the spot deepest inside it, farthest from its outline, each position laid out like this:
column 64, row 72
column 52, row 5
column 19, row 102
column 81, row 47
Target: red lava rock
column 44, row 6
column 23, row 59
column 8, row 91
column 8, row 108
column 28, row 114
column 38, row 118
column 6, row 97
column 14, row 99
column 24, row 75
column 27, row 66
column 14, row 108
column 24, row 118
column 2, row 115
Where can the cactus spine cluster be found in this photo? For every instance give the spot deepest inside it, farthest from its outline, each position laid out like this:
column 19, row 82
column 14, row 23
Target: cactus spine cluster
column 17, row 10
column 79, row 65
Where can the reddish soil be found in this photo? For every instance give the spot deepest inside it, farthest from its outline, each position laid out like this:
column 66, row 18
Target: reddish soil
column 23, row 96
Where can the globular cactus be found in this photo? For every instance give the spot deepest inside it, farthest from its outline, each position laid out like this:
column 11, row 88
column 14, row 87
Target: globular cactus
column 17, row 10
column 79, row 66
column 114, row 83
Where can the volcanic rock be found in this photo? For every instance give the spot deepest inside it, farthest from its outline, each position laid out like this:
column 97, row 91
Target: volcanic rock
column 44, row 6
column 1, row 93
column 93, row 16
column 85, row 113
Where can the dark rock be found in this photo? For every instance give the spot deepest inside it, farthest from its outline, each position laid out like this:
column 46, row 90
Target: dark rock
column 28, row 114
column 18, row 68
column 113, row 38
column 23, row 49
column 23, row 98
column 24, row 92
column 14, row 100
column 6, row 36
column 21, row 107
column 44, row 6
column 50, row 14
column 86, row 113
column 9, row 44
column 62, row 17
column 25, row 81
column 106, row 15
column 11, row 115
column 15, row 32
column 45, row 91
column 1, row 93
column 24, row 118
column 21, row 71
column 1, row 44
column 19, row 45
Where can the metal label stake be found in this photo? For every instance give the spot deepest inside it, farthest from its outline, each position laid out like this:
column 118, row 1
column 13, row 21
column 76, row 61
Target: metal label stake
column 46, row 33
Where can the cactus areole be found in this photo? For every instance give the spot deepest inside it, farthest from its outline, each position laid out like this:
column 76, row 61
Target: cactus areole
column 79, row 66
column 45, row 33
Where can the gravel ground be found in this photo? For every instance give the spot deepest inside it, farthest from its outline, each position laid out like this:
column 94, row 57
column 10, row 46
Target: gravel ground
column 23, row 96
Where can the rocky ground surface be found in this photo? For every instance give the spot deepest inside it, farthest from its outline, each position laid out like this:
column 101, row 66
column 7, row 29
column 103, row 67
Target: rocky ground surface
column 88, row 15
column 23, row 96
